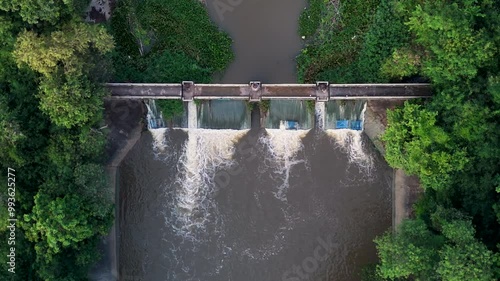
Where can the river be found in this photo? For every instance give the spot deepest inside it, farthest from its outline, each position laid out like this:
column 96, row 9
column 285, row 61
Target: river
column 253, row 204
column 265, row 38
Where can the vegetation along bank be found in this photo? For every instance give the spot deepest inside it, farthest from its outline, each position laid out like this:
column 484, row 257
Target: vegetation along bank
column 451, row 142
column 52, row 131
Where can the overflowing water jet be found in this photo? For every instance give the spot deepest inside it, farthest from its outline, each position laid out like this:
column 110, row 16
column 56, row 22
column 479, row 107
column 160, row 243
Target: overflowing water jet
column 192, row 115
column 154, row 116
column 320, row 114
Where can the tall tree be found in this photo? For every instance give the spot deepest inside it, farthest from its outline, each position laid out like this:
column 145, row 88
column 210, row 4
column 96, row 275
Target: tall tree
column 63, row 57
column 452, row 254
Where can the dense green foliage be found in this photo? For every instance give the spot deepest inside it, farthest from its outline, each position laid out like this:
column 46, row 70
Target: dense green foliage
column 52, row 65
column 50, row 108
column 310, row 18
column 452, row 254
column 167, row 41
column 335, row 39
column 170, row 108
column 52, row 11
column 451, row 142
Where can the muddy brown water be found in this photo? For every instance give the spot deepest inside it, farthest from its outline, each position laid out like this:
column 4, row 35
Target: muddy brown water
column 260, row 205
column 321, row 226
column 265, row 38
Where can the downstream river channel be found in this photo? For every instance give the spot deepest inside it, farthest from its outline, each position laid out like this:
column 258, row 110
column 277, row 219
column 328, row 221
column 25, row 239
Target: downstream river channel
column 252, row 205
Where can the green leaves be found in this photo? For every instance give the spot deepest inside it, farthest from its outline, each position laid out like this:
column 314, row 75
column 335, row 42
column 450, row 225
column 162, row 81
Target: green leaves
column 170, row 108
column 403, row 63
column 466, row 262
column 62, row 222
column 416, row 144
column 35, row 11
column 167, row 41
column 67, row 47
column 70, row 100
column 409, row 252
column 66, row 93
column 310, row 18
column 64, row 204
column 457, row 48
column 335, row 39
column 453, row 254
column 91, row 184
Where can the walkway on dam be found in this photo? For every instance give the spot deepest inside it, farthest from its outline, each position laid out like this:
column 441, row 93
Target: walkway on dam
column 256, row 91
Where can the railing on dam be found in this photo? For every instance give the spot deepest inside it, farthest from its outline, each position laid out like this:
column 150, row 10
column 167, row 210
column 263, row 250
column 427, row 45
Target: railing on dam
column 256, row 91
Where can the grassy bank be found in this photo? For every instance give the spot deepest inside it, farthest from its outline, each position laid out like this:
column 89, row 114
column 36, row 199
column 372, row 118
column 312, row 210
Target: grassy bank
column 167, row 42
column 451, row 142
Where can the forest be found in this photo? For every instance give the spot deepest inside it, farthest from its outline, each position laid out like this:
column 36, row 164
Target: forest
column 52, row 130
column 451, row 141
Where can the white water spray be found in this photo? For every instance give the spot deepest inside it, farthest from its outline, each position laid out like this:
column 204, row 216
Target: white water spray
column 159, row 139
column 204, row 153
column 154, row 117
column 351, row 141
column 283, row 146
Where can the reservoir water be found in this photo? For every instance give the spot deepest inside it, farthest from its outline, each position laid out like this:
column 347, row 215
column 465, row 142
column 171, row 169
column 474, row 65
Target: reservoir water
column 265, row 38
column 218, row 201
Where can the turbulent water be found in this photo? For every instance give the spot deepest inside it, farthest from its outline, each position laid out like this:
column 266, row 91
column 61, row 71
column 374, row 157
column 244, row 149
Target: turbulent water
column 251, row 205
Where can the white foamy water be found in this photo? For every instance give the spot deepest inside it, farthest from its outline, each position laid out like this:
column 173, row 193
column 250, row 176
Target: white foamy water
column 351, row 142
column 283, row 146
column 204, row 153
column 159, row 139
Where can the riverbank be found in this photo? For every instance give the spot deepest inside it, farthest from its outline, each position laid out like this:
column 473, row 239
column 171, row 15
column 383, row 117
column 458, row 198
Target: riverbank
column 124, row 119
column 406, row 189
column 349, row 58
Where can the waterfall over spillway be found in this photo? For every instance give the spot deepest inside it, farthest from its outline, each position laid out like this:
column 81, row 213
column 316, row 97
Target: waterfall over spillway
column 345, row 114
column 289, row 111
column 223, row 114
column 283, row 147
column 320, row 114
column 192, row 115
column 154, row 116
column 205, row 152
column 159, row 139
column 210, row 148
column 349, row 140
